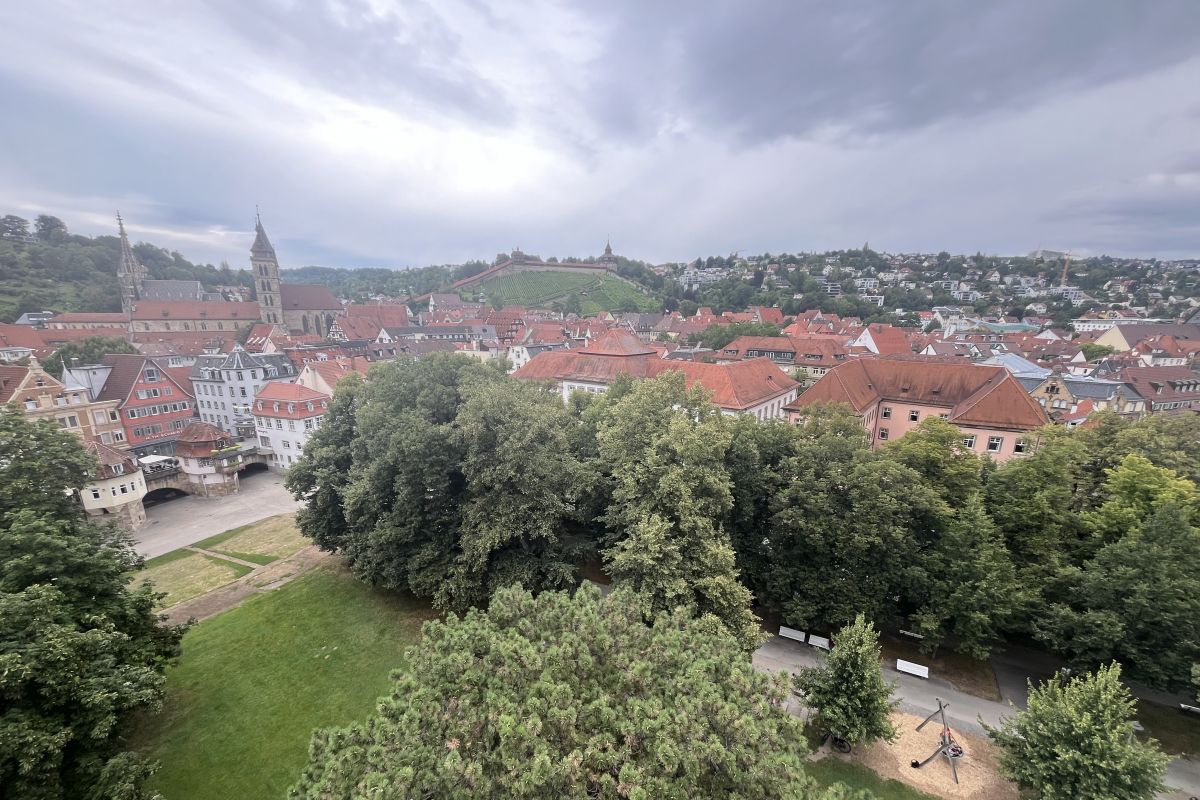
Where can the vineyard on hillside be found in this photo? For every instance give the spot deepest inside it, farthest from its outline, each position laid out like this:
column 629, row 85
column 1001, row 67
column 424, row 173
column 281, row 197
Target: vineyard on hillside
column 596, row 292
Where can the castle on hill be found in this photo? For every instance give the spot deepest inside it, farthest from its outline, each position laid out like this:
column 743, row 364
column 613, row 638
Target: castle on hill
column 171, row 305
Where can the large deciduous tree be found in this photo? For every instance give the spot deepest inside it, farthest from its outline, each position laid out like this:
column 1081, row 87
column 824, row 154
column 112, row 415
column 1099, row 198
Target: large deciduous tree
column 1076, row 740
column 559, row 696
column 666, row 446
column 848, row 694
column 80, row 651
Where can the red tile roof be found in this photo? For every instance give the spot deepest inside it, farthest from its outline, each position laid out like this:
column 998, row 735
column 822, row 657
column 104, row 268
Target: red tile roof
column 389, row 315
column 289, row 393
column 25, row 336
column 976, row 395
column 10, row 378
column 305, row 297
column 90, row 316
column 617, row 342
column 195, row 310
column 735, row 386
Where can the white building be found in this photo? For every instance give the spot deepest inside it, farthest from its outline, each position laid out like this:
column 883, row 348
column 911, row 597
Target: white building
column 285, row 416
column 226, row 384
column 118, row 488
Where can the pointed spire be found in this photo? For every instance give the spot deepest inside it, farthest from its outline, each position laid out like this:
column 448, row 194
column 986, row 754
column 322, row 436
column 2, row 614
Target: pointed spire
column 129, row 264
column 262, row 245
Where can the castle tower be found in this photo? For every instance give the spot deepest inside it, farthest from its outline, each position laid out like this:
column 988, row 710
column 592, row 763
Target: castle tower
column 265, row 269
column 130, row 273
column 608, row 257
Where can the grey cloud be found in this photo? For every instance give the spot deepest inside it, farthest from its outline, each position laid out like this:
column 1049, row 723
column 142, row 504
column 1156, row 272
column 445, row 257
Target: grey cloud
column 760, row 71
column 413, row 66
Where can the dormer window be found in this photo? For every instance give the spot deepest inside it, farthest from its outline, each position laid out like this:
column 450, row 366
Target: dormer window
column 275, row 406
column 291, row 408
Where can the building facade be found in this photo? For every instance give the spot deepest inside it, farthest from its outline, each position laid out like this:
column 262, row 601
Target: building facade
column 117, row 489
column 285, row 416
column 39, row 395
column 225, row 386
column 892, row 395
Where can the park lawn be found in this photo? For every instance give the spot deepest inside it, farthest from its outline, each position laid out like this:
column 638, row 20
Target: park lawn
column 259, row 542
column 254, row 682
column 965, row 673
column 829, row 770
column 183, row 574
column 1177, row 733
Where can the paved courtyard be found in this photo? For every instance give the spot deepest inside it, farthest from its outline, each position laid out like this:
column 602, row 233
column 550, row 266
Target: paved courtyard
column 186, row 520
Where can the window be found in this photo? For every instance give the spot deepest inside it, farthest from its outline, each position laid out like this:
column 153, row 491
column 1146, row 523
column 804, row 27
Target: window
column 240, row 375
column 30, row 405
column 1019, row 447
column 279, row 424
column 60, row 400
column 994, row 444
column 291, row 424
column 118, row 469
column 205, row 462
column 287, row 445
column 943, row 416
column 969, row 442
column 308, row 424
column 150, row 375
column 887, row 412
column 118, row 436
column 883, row 434
column 95, row 493
column 106, row 438
column 100, row 417
column 913, row 416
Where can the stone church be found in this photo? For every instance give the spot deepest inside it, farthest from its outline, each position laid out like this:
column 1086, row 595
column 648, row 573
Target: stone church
column 158, row 305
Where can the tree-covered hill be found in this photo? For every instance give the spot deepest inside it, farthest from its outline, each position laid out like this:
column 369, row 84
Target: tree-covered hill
column 44, row 267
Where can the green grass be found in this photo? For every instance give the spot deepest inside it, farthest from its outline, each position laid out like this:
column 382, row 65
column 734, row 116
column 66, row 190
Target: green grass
column 182, row 575
column 1176, row 732
column 830, row 770
column 597, row 292
column 255, row 681
column 259, row 542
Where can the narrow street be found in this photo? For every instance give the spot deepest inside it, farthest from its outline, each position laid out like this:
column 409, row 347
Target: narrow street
column 187, row 520
column 919, row 696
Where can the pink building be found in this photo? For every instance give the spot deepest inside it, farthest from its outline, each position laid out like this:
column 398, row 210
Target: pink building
column 893, row 394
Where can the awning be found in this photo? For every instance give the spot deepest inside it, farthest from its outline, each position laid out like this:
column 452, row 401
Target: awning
column 154, row 459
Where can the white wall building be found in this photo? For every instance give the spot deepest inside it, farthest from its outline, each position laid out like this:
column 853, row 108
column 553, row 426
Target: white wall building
column 285, row 416
column 118, row 488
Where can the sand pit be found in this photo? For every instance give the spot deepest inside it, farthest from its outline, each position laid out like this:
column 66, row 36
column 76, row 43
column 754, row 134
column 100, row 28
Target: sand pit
column 978, row 773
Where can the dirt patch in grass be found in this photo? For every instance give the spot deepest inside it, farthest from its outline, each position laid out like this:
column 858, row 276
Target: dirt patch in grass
column 1177, row 733
column 978, row 772
column 183, row 575
column 965, row 674
column 261, row 542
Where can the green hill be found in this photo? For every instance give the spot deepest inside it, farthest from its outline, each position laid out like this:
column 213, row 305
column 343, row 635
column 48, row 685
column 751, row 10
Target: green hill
column 44, row 267
column 595, row 293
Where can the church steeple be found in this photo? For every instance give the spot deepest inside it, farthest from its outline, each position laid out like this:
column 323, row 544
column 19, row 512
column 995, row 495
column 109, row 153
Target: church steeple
column 130, row 273
column 608, row 257
column 265, row 269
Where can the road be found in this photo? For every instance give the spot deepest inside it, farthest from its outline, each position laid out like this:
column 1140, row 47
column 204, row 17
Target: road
column 187, row 520
column 919, row 696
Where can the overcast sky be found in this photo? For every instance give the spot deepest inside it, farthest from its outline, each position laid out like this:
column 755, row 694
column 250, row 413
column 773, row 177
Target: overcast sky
column 403, row 133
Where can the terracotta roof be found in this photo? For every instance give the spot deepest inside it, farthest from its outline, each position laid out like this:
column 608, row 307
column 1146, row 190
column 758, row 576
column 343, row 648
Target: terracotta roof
column 734, row 385
column 90, row 316
column 306, row 297
column 617, row 342
column 334, row 369
column 63, row 335
column 109, row 457
column 1163, row 384
column 194, row 310
column 191, row 343
column 388, row 314
column 202, row 432
column 889, row 340
column 284, row 393
column 122, row 377
column 985, row 396
column 10, row 378
column 24, row 336
column 360, row 327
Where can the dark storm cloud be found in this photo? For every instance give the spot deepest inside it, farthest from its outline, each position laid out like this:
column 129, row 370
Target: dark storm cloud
column 764, row 70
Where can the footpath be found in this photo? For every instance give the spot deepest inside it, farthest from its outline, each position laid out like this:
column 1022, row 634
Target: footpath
column 919, row 696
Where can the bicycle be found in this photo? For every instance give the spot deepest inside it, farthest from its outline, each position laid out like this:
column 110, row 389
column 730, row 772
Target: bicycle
column 838, row 743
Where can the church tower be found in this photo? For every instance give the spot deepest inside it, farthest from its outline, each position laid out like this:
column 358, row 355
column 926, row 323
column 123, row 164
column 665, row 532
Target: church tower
column 130, row 273
column 265, row 269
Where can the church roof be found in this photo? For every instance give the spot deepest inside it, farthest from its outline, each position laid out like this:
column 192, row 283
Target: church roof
column 307, row 297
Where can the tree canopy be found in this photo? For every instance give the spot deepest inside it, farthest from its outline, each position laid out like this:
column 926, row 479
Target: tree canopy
column 561, row 696
column 1076, row 740
column 80, row 650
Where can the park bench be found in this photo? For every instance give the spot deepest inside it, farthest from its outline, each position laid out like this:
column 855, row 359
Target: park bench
column 819, row 642
column 791, row 633
column 912, row 669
